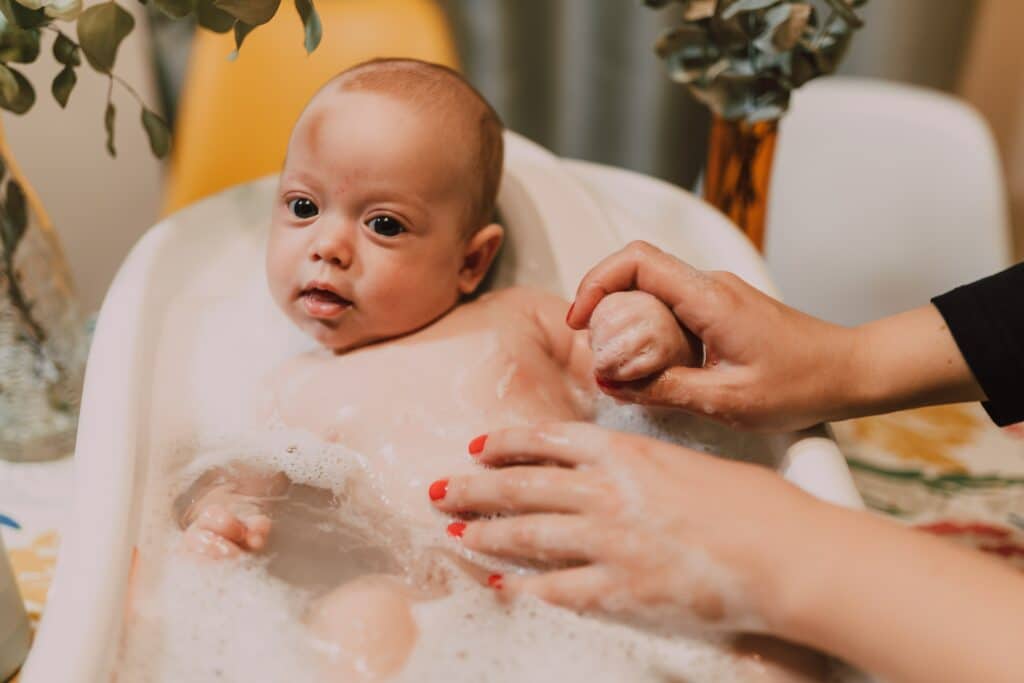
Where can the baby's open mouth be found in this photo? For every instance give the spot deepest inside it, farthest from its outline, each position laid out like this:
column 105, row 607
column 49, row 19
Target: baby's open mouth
column 323, row 303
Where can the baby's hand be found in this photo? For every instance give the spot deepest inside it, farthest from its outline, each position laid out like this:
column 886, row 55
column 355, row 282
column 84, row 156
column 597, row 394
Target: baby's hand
column 634, row 335
column 225, row 524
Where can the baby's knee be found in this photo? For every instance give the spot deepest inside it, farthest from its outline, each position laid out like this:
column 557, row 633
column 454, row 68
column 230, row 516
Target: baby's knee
column 365, row 628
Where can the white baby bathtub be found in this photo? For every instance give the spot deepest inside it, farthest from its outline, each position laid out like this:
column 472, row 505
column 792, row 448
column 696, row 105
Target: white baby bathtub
column 150, row 363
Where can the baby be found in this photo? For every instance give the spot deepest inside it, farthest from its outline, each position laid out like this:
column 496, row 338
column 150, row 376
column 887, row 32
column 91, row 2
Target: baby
column 383, row 231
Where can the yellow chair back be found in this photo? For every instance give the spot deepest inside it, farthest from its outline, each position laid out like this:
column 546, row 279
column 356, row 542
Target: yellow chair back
column 234, row 118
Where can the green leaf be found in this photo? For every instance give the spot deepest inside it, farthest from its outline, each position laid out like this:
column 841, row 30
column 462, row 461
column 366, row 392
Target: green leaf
column 841, row 8
column 175, row 9
column 156, row 129
column 101, row 28
column 252, row 12
column 108, row 123
column 24, row 97
column 213, row 19
column 25, row 17
column 19, row 45
column 65, row 51
column 736, row 6
column 17, row 216
column 311, row 22
column 63, row 84
column 8, row 83
column 241, row 31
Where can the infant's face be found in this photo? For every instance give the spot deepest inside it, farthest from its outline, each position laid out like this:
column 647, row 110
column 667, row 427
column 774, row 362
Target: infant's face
column 367, row 236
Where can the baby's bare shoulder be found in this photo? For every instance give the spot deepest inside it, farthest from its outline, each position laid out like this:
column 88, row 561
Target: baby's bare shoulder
column 531, row 299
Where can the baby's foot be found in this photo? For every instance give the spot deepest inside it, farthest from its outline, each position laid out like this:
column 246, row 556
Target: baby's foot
column 221, row 531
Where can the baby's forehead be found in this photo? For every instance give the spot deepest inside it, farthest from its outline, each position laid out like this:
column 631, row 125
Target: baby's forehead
column 434, row 130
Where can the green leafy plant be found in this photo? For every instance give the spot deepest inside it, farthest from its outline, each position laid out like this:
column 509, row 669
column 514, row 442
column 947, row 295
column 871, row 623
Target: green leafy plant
column 742, row 58
column 99, row 30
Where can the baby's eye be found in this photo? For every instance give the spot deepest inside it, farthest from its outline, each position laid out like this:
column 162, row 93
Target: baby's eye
column 302, row 208
column 386, row 226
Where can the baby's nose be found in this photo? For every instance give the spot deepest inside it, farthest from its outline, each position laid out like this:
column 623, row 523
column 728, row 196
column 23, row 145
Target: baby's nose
column 333, row 245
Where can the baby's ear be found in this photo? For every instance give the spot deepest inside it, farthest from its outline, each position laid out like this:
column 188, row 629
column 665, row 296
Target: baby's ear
column 481, row 248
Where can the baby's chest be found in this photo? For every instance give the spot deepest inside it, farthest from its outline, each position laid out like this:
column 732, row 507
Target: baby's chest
column 437, row 391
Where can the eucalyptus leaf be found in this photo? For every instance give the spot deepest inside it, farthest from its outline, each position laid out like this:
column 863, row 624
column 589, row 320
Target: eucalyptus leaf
column 24, row 97
column 731, row 9
column 241, row 31
column 176, row 9
column 698, row 10
column 744, row 59
column 311, row 23
column 16, row 213
column 213, row 19
column 65, row 51
column 108, row 124
column 8, row 83
column 101, row 28
column 63, row 84
column 19, row 44
column 789, row 33
column 156, row 130
column 26, row 17
column 842, row 8
column 251, row 12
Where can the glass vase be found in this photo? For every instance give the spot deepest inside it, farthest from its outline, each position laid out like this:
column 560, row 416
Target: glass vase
column 738, row 172
column 42, row 336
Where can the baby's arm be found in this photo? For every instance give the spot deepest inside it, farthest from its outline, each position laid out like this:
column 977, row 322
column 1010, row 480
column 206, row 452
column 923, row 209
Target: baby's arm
column 224, row 512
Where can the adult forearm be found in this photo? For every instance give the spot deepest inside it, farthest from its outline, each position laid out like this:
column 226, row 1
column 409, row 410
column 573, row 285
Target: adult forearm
column 904, row 361
column 903, row 605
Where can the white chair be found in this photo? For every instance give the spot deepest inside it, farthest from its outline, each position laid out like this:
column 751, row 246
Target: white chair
column 882, row 196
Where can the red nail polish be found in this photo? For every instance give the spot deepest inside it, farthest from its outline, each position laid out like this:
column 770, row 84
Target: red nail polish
column 495, row 581
column 438, row 489
column 608, row 383
column 456, row 529
column 569, row 314
column 476, row 446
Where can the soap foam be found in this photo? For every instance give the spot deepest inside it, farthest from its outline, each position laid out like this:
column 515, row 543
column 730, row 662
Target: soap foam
column 200, row 620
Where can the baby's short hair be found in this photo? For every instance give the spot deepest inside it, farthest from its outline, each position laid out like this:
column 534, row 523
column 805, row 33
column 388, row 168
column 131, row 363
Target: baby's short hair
column 433, row 85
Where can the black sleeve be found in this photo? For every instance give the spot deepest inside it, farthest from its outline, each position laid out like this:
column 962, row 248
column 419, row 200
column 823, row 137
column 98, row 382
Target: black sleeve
column 987, row 321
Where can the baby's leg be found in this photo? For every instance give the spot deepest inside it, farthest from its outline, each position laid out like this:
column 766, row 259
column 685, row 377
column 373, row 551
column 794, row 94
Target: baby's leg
column 365, row 628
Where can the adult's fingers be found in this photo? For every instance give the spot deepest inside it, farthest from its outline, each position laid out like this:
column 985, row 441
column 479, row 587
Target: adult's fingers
column 518, row 490
column 540, row 538
column 563, row 443
column 576, row 588
column 691, row 294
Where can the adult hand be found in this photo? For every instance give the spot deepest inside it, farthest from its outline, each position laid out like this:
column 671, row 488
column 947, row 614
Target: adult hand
column 769, row 366
column 650, row 532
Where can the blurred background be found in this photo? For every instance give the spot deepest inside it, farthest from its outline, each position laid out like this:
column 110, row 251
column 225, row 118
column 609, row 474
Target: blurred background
column 577, row 76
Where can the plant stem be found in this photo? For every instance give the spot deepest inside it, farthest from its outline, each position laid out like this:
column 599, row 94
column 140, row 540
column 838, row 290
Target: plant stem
column 18, row 299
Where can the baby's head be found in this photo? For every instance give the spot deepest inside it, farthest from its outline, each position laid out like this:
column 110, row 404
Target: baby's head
column 384, row 215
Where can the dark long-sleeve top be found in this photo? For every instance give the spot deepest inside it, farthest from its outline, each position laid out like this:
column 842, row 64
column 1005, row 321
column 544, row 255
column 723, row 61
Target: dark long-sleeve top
column 986, row 319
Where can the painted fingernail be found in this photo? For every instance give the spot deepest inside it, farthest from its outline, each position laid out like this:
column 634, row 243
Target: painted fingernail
column 608, row 383
column 456, row 529
column 476, row 446
column 438, row 489
column 495, row 581
column 569, row 314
